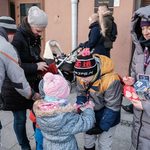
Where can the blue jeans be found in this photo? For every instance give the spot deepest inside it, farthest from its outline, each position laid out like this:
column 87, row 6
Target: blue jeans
column 20, row 129
column 39, row 139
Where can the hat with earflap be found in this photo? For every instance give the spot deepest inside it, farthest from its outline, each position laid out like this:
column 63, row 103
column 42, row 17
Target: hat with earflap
column 8, row 24
column 85, row 64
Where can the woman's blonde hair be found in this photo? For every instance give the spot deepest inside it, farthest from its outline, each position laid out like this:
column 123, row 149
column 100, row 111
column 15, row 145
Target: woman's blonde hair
column 95, row 17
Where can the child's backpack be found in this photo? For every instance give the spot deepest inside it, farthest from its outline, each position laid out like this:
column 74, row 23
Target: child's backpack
column 114, row 32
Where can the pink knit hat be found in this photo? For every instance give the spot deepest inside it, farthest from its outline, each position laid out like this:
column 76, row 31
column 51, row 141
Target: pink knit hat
column 55, row 86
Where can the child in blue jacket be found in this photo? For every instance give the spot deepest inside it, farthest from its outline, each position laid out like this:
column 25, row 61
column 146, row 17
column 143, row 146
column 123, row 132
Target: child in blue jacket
column 57, row 118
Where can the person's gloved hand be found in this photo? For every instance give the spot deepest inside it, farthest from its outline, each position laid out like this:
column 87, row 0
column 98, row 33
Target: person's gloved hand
column 81, row 100
column 94, row 131
column 81, row 45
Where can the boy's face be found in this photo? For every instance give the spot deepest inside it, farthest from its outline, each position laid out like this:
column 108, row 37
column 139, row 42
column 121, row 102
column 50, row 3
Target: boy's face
column 87, row 80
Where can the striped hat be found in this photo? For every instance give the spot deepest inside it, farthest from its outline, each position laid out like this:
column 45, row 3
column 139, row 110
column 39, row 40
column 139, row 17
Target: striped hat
column 85, row 64
column 8, row 24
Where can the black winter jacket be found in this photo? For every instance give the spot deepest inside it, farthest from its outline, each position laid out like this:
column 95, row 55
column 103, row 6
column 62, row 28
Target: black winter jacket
column 96, row 40
column 28, row 47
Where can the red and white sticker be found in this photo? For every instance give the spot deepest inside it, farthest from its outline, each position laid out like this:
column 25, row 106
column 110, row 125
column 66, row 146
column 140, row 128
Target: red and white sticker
column 130, row 93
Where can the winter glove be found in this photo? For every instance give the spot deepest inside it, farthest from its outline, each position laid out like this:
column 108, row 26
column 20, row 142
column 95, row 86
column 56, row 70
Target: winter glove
column 81, row 45
column 94, row 131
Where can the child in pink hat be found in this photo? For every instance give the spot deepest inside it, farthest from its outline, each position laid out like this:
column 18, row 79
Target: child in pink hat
column 57, row 118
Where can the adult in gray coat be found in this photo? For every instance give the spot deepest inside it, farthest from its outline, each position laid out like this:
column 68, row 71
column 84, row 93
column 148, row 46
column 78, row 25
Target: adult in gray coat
column 9, row 62
column 141, row 68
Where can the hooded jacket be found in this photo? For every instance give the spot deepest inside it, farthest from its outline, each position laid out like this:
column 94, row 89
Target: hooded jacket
column 12, row 76
column 141, row 119
column 60, row 124
column 105, row 92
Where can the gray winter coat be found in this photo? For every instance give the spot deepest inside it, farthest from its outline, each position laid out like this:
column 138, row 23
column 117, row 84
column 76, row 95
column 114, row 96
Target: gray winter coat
column 9, row 65
column 141, row 120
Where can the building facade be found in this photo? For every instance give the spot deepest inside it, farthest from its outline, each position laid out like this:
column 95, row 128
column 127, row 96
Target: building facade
column 68, row 23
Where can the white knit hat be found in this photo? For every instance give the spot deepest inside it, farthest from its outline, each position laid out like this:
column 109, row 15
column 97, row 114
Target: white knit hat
column 37, row 17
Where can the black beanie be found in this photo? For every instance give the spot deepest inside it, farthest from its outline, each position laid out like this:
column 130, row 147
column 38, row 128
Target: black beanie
column 85, row 65
column 8, row 24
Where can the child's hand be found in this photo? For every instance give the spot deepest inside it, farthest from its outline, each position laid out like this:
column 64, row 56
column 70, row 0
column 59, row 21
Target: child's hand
column 89, row 104
column 128, row 80
column 137, row 104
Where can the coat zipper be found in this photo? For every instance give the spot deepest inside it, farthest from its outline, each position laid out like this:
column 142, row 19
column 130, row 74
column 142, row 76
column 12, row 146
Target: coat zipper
column 137, row 146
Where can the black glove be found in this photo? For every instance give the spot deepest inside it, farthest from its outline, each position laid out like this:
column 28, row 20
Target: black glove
column 81, row 45
column 94, row 131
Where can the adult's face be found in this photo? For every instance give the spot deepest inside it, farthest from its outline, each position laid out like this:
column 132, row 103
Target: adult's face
column 146, row 32
column 37, row 31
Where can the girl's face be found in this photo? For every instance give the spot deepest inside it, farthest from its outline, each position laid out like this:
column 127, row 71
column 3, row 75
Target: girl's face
column 146, row 32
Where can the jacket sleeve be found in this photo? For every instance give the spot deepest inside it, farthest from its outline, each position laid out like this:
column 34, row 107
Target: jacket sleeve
column 29, row 68
column 15, row 73
column 81, row 93
column 94, row 37
column 113, row 99
column 133, row 65
column 81, row 122
column 146, row 107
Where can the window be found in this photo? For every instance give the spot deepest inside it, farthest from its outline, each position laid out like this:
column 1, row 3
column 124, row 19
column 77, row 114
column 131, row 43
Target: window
column 145, row 3
column 24, row 7
column 98, row 2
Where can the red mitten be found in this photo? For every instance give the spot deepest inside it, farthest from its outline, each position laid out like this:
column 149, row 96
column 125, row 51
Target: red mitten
column 130, row 93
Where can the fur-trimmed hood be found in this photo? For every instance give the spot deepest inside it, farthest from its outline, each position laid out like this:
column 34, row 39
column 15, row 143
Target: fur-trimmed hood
column 136, row 31
column 43, row 108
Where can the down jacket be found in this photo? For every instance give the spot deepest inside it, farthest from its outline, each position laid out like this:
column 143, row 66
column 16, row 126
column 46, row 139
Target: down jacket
column 141, row 119
column 105, row 92
column 60, row 124
column 10, row 70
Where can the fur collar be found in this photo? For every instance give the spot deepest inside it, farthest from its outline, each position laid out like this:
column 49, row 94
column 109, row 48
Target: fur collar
column 42, row 108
